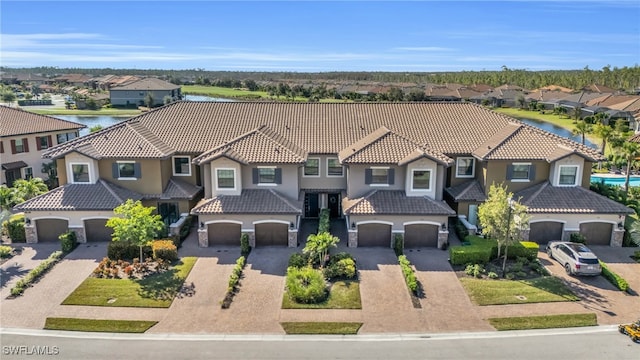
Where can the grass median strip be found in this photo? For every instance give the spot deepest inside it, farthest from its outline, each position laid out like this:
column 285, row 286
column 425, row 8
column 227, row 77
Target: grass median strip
column 544, row 322
column 500, row 292
column 343, row 295
column 98, row 325
column 321, row 328
column 156, row 291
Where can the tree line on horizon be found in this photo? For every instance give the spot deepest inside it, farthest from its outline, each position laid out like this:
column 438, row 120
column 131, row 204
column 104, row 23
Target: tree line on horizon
column 625, row 78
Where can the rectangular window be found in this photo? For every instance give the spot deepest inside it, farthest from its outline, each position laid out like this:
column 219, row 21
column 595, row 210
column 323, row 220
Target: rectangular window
column 19, row 146
column 568, row 175
column 226, row 178
column 312, row 167
column 66, row 137
column 520, row 172
column 80, row 173
column 421, row 180
column 266, row 175
column 182, row 166
column 43, row 142
column 126, row 170
column 334, row 168
column 28, row 173
column 465, row 167
column 379, row 176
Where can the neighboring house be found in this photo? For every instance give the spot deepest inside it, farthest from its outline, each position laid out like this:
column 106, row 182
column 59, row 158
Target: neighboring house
column 386, row 169
column 135, row 93
column 72, row 79
column 24, row 136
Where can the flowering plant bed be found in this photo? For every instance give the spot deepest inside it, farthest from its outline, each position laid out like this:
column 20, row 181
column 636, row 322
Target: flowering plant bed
column 120, row 269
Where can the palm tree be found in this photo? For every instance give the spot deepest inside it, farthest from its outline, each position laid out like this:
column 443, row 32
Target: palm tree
column 582, row 129
column 628, row 152
column 603, row 132
column 27, row 189
column 7, row 198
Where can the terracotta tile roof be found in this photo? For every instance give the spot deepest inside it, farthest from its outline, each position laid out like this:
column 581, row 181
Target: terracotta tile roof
column 544, row 198
column 261, row 145
column 176, row 189
column 250, row 201
column 319, row 128
column 147, row 84
column 73, row 197
column 128, row 139
column 598, row 88
column 394, row 202
column 467, row 191
column 20, row 122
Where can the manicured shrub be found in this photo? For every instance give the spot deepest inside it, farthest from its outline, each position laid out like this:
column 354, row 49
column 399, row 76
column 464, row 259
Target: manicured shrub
column 409, row 274
column 492, row 275
column 234, row 281
column 165, row 250
column 14, row 228
column 298, row 260
column 122, row 250
column 460, row 230
column 245, row 248
column 577, row 238
column 68, row 241
column 340, row 256
column 5, row 251
column 306, row 285
column 475, row 270
column 341, row 269
column 324, row 223
column 614, row 278
column 398, row 244
column 472, row 254
column 185, row 229
column 36, row 273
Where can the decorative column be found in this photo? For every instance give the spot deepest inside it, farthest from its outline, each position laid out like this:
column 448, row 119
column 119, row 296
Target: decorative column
column 353, row 238
column 443, row 239
column 203, row 237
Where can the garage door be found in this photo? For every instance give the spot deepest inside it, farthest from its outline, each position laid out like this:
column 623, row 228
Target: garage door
column 374, row 235
column 597, row 233
column 270, row 234
column 224, row 234
column 96, row 230
column 50, row 229
column 421, row 235
column 545, row 231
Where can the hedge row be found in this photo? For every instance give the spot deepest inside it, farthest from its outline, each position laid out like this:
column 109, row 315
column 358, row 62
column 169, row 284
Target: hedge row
column 614, row 278
column 36, row 273
column 409, row 274
column 481, row 251
column 234, row 280
column 68, row 241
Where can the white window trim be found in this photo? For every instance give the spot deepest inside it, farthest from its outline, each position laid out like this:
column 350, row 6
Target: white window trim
column 126, row 162
column 430, row 180
column 46, row 139
column 473, row 169
column 319, row 168
column 341, row 167
column 528, row 173
column 24, row 172
column 380, row 168
column 235, row 180
column 21, row 146
column 575, row 183
column 88, row 171
column 267, row 184
column 173, row 164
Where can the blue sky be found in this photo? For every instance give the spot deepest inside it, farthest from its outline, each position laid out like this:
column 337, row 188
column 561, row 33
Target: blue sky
column 308, row 36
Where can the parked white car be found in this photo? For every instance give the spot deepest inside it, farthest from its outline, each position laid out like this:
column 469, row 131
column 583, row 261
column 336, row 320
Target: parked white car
column 576, row 258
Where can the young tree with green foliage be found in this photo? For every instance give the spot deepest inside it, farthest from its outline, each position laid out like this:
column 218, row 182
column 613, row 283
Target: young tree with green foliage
column 7, row 198
column 604, row 133
column 148, row 100
column 318, row 245
column 95, row 128
column 582, row 129
column 27, row 189
column 501, row 218
column 136, row 224
column 628, row 152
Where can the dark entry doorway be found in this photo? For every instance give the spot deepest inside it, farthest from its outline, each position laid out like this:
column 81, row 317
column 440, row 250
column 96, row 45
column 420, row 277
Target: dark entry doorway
column 334, row 205
column 311, row 205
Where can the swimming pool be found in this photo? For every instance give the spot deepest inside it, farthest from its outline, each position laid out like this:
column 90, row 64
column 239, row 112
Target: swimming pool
column 617, row 180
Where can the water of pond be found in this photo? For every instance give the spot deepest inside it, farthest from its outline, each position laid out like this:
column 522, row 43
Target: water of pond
column 558, row 131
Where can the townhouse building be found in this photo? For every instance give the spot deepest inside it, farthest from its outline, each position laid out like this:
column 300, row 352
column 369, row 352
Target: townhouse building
column 383, row 168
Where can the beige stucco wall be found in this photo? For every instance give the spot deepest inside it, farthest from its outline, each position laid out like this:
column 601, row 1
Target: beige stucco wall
column 224, row 163
column 398, row 221
column 323, row 181
column 33, row 158
column 288, row 188
column 61, row 166
column 572, row 221
column 436, row 178
column 247, row 221
column 454, row 180
column 77, row 158
column 75, row 218
column 120, row 97
column 167, row 167
column 357, row 187
column 149, row 183
column 496, row 172
column 554, row 172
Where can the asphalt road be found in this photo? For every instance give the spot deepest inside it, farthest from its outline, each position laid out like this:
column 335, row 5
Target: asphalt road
column 581, row 343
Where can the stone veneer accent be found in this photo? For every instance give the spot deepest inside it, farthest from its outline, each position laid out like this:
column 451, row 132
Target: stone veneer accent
column 293, row 238
column 443, row 239
column 31, row 234
column 618, row 236
column 353, row 238
column 203, row 237
column 80, row 231
column 566, row 234
column 252, row 239
column 524, row 234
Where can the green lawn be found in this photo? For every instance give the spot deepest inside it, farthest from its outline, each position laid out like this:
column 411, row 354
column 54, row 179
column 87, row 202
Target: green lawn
column 343, row 295
column 118, row 326
column 544, row 322
column 155, row 291
column 500, row 292
column 315, row 328
column 223, row 92
column 101, row 112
